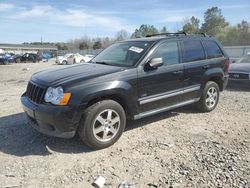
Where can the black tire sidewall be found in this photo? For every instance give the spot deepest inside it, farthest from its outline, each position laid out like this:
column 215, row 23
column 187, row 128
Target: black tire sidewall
column 86, row 130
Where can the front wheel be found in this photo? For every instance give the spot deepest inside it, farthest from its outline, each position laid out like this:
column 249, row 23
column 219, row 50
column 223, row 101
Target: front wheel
column 210, row 97
column 102, row 124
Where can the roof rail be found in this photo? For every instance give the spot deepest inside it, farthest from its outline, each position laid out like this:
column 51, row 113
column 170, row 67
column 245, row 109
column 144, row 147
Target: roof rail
column 178, row 34
column 167, row 34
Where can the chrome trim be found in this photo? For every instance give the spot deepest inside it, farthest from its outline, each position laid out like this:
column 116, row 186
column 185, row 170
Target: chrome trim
column 159, row 110
column 168, row 94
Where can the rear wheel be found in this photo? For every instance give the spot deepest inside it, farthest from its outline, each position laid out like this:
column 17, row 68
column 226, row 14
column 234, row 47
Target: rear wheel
column 102, row 124
column 210, row 97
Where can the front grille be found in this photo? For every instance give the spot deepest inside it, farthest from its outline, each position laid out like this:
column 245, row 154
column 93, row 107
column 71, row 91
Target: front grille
column 239, row 76
column 35, row 93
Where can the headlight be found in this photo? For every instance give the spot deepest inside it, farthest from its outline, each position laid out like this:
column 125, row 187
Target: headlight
column 57, row 96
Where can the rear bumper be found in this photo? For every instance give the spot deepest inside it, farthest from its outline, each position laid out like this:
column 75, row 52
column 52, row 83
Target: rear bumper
column 57, row 121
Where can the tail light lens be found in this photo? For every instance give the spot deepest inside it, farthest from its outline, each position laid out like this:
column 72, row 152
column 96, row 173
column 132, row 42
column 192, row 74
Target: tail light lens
column 226, row 64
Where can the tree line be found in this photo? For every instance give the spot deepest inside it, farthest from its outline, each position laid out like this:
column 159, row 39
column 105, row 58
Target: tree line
column 213, row 24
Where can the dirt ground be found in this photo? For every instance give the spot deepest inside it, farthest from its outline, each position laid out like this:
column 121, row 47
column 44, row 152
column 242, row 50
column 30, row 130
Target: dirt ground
column 181, row 148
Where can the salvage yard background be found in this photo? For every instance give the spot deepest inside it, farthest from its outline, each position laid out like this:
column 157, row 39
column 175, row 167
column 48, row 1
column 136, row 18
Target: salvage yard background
column 181, row 148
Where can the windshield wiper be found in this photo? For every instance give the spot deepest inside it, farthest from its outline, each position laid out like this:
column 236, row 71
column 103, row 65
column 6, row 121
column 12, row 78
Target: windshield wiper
column 101, row 62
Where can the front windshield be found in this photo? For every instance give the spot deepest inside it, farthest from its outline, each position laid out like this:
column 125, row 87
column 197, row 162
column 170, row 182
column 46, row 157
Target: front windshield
column 245, row 59
column 123, row 54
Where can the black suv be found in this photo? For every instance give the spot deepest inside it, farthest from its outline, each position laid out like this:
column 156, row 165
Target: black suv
column 128, row 80
column 28, row 57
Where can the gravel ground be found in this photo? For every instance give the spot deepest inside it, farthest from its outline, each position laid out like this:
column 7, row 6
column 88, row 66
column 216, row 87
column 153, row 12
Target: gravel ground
column 181, row 148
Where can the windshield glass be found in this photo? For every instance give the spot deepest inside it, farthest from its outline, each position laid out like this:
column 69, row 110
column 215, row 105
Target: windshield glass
column 245, row 59
column 123, row 54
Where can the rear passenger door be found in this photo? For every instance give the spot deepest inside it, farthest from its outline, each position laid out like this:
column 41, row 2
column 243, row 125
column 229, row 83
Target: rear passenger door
column 195, row 65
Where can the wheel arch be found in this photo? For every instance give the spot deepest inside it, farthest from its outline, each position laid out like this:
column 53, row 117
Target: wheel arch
column 117, row 98
column 216, row 75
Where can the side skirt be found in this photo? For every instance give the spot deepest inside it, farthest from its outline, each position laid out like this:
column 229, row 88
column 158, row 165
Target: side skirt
column 159, row 110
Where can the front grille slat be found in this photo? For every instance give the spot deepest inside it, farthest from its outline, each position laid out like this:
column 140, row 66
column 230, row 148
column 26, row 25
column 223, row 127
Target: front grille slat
column 35, row 93
column 243, row 76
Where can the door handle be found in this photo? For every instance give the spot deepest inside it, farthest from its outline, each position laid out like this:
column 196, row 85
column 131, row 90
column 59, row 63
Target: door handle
column 206, row 66
column 177, row 73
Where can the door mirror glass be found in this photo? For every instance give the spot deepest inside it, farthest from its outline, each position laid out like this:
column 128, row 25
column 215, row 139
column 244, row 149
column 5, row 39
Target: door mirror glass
column 155, row 62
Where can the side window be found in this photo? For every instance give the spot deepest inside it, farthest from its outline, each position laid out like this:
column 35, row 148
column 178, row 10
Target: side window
column 168, row 51
column 212, row 49
column 193, row 51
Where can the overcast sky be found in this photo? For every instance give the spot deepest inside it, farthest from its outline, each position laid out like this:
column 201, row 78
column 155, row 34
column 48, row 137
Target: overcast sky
column 61, row 20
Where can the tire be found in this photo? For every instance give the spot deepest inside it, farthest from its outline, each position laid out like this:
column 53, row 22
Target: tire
column 209, row 98
column 5, row 62
column 64, row 62
column 96, row 118
column 82, row 61
column 18, row 60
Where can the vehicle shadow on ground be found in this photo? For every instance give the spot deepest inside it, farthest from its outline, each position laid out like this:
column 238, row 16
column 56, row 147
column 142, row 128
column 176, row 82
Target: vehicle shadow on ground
column 133, row 124
column 18, row 138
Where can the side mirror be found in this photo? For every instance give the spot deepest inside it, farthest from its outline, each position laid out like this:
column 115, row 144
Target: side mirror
column 155, row 62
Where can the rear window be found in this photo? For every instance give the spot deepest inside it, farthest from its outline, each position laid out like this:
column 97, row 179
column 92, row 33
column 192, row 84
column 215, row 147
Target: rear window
column 193, row 51
column 212, row 49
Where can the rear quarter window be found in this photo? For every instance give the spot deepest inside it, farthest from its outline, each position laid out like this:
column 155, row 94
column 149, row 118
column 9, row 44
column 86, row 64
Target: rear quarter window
column 193, row 51
column 212, row 49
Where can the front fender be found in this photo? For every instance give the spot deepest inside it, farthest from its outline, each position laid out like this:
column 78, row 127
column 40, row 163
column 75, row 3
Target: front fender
column 121, row 89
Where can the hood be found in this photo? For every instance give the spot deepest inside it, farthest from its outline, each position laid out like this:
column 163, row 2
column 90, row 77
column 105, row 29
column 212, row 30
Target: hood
column 239, row 67
column 59, row 76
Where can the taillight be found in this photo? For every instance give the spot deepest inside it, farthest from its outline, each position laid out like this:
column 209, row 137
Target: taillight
column 226, row 64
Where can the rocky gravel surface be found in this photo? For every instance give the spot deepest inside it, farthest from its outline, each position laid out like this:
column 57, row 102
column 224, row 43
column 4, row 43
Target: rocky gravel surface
column 181, row 148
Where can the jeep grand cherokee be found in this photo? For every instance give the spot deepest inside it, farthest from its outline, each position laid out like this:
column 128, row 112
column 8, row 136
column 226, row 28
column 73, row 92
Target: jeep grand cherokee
column 130, row 79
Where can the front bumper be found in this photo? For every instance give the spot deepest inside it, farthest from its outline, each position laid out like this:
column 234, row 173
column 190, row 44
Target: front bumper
column 238, row 84
column 58, row 121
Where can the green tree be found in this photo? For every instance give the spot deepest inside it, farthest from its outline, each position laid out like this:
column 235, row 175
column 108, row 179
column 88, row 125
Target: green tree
column 121, row 35
column 144, row 30
column 214, row 21
column 83, row 45
column 244, row 33
column 97, row 45
column 229, row 36
column 192, row 25
column 164, row 30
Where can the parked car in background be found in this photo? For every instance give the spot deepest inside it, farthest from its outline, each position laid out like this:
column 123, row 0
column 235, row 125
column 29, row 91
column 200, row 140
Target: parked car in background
column 82, row 58
column 28, row 57
column 73, row 58
column 6, row 58
column 239, row 73
column 66, row 59
column 89, row 57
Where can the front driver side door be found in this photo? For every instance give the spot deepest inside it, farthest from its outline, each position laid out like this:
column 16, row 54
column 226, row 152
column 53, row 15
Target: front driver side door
column 160, row 87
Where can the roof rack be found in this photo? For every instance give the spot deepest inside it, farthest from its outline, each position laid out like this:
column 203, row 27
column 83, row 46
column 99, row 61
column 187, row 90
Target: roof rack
column 177, row 34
